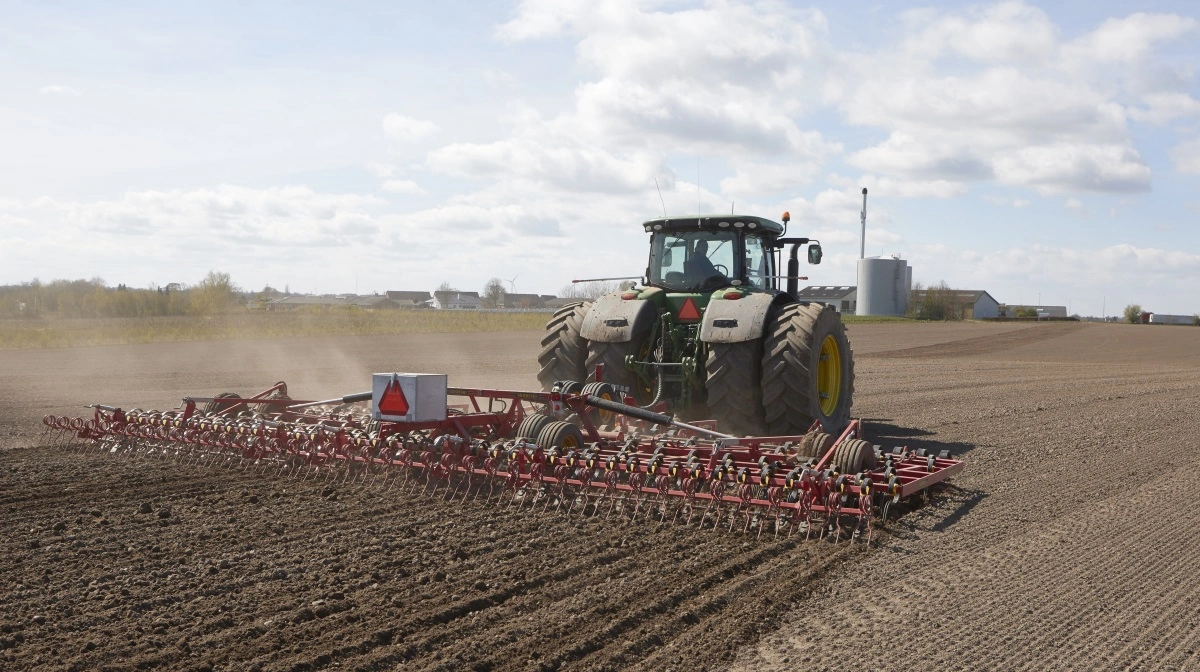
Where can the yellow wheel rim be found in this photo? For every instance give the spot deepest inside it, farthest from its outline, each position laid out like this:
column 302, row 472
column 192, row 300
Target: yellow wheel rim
column 829, row 375
column 606, row 417
column 570, row 443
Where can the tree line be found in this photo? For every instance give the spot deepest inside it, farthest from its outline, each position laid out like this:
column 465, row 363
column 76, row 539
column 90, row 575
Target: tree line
column 216, row 293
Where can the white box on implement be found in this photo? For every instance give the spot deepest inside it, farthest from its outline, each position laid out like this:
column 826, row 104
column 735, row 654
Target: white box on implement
column 408, row 397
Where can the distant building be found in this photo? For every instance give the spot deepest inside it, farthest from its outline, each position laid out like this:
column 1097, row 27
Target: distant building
column 344, row 301
column 1046, row 311
column 1160, row 318
column 843, row 298
column 414, row 298
column 555, row 302
column 293, row 302
column 973, row 304
column 374, row 303
column 457, row 301
column 520, row 301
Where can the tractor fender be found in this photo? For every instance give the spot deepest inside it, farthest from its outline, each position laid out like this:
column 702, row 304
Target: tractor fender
column 616, row 320
column 737, row 321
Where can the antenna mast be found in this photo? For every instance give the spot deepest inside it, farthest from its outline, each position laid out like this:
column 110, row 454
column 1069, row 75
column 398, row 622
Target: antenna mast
column 862, row 241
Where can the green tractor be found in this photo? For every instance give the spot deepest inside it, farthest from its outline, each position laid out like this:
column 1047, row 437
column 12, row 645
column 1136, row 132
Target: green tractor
column 710, row 333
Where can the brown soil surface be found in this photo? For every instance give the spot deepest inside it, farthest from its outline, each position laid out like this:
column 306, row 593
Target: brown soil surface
column 1069, row 541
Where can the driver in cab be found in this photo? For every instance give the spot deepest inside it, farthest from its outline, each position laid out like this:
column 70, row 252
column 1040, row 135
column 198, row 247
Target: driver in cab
column 697, row 270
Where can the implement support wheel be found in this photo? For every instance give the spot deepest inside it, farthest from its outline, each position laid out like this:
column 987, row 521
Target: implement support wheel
column 218, row 404
column 853, row 456
column 560, row 435
column 532, row 425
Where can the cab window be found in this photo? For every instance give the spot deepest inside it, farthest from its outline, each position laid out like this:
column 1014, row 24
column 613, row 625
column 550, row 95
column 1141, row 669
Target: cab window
column 759, row 263
column 692, row 261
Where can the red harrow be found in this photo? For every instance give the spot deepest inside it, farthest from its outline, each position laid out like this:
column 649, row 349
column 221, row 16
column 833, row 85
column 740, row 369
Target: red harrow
column 575, row 449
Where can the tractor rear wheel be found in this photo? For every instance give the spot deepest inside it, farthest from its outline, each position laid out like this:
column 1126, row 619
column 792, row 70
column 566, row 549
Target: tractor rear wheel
column 807, row 370
column 733, row 385
column 564, row 351
column 612, row 356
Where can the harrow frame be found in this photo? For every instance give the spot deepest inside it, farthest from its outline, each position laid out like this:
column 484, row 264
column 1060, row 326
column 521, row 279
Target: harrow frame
column 623, row 466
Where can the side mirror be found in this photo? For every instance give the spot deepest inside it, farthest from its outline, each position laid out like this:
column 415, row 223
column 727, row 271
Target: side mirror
column 814, row 253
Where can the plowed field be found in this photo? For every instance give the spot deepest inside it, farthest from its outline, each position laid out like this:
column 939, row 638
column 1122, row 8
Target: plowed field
column 1068, row 543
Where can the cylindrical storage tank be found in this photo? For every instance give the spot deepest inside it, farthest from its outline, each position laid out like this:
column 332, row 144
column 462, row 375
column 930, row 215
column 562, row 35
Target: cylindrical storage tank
column 882, row 286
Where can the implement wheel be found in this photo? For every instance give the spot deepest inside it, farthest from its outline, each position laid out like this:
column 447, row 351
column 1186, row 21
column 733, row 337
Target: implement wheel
column 814, row 445
column 560, row 435
column 853, row 456
column 564, row 351
column 219, row 405
column 808, row 370
column 606, row 392
column 532, row 425
column 734, row 387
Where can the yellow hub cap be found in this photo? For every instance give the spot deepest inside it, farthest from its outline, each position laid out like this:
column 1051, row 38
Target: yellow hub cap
column 570, row 443
column 829, row 375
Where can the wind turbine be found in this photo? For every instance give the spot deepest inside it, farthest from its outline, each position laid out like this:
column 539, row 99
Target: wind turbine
column 512, row 284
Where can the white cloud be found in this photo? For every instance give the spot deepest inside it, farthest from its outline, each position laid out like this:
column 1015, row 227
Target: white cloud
column 552, row 160
column 60, row 90
column 1001, row 33
column 754, row 178
column 1075, row 167
column 1161, row 108
column 1128, row 39
column 1075, row 204
column 396, row 186
column 995, row 94
column 1186, row 157
column 1013, row 202
column 407, row 129
column 224, row 215
column 674, row 81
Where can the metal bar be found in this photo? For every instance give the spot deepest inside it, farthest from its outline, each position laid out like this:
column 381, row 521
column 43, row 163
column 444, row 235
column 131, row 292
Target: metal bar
column 630, row 277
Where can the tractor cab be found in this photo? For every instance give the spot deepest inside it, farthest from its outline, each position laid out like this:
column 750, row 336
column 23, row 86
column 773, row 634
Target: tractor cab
column 704, row 254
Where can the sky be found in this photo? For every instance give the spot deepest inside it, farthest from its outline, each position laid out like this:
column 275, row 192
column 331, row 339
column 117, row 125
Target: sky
column 1048, row 153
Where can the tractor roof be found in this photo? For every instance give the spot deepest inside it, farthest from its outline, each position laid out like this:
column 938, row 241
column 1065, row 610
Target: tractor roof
column 713, row 222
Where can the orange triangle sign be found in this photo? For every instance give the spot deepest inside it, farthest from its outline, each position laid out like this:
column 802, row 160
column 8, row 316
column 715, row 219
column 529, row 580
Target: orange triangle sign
column 393, row 401
column 689, row 311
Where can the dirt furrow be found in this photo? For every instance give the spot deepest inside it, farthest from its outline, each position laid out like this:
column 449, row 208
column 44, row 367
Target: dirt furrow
column 1067, row 543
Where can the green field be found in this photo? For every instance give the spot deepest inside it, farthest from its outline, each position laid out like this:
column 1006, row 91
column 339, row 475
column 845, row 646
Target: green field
column 17, row 333
column 67, row 332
